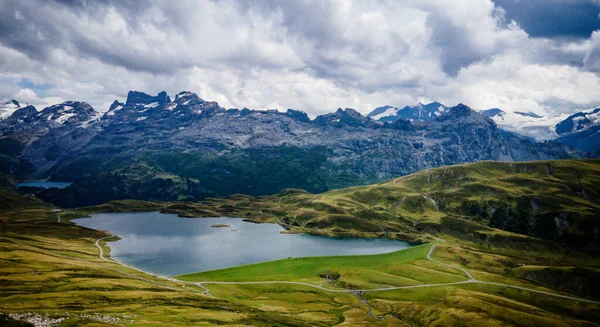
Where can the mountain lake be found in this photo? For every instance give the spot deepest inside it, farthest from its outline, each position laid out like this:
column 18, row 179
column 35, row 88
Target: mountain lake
column 43, row 184
column 167, row 245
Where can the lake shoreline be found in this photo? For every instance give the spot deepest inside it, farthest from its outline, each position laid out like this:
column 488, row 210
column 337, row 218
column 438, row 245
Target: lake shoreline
column 187, row 246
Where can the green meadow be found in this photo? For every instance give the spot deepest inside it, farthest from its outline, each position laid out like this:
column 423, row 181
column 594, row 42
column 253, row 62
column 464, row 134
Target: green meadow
column 400, row 268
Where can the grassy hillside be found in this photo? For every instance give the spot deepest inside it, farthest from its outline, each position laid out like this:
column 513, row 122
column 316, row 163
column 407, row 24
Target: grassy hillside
column 466, row 205
column 446, row 305
column 522, row 224
column 53, row 270
column 555, row 200
column 12, row 200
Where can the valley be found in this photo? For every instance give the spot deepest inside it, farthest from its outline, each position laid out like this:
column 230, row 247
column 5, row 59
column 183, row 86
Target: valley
column 55, row 268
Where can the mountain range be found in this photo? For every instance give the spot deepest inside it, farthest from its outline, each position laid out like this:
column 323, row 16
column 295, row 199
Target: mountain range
column 580, row 130
column 187, row 148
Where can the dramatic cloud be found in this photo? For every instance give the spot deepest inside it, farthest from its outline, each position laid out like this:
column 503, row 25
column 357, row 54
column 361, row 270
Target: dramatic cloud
column 556, row 18
column 591, row 61
column 311, row 55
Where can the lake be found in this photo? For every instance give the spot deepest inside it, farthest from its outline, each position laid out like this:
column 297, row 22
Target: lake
column 165, row 244
column 45, row 184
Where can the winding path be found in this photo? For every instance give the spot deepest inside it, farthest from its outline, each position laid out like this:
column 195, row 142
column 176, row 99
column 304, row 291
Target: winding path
column 391, row 288
column 471, row 280
column 101, row 255
column 101, row 266
column 206, row 291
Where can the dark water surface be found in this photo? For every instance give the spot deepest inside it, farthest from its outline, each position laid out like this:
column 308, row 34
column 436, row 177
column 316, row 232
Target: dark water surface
column 46, row 184
column 167, row 245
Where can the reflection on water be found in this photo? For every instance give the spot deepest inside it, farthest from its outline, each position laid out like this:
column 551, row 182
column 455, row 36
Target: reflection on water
column 167, row 245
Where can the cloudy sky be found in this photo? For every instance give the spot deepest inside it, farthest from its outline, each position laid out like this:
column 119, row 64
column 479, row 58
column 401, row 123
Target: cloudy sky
column 530, row 55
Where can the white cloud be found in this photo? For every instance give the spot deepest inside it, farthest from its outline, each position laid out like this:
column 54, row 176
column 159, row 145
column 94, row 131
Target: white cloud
column 309, row 55
column 510, row 82
column 592, row 56
column 27, row 96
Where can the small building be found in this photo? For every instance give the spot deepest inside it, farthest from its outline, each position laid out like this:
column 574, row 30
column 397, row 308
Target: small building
column 55, row 210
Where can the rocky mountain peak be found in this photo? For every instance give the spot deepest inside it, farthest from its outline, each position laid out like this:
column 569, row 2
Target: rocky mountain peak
column 163, row 97
column 464, row 113
column 461, row 110
column 579, row 121
column 23, row 114
column 493, row 112
column 135, row 97
column 187, row 98
column 298, row 115
column 114, row 105
column 25, row 111
column 72, row 112
column 67, row 107
column 114, row 108
column 345, row 117
column 420, row 111
column 348, row 112
column 380, row 111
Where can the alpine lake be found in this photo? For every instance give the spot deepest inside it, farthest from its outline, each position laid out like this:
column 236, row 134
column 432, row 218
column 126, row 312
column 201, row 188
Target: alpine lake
column 167, row 245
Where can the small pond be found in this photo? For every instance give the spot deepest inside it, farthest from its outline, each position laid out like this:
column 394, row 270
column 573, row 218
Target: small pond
column 45, row 184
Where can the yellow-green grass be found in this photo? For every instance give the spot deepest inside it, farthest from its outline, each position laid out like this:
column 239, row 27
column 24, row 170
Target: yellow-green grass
column 59, row 271
column 480, row 305
column 46, row 283
column 400, row 268
column 293, row 300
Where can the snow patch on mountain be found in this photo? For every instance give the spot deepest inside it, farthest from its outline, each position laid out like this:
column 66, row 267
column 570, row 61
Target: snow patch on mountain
column 390, row 111
column 578, row 122
column 420, row 111
column 539, row 127
column 62, row 119
column 94, row 118
column 113, row 111
column 441, row 109
column 593, row 115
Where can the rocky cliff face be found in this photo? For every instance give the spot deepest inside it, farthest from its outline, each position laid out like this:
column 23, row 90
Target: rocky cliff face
column 152, row 147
